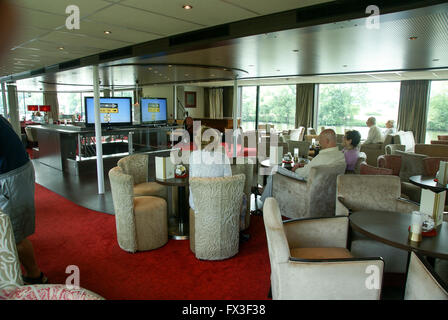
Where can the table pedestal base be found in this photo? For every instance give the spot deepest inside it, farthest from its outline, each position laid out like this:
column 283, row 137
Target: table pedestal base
column 433, row 204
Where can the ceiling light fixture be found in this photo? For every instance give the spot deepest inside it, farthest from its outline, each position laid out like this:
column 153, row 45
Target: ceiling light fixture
column 107, row 32
column 61, row 48
column 187, row 7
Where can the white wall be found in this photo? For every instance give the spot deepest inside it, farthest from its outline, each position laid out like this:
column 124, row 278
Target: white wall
column 197, row 112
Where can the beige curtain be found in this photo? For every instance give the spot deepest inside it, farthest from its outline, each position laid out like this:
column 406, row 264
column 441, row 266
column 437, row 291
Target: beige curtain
column 216, row 103
column 51, row 98
column 413, row 107
column 305, row 105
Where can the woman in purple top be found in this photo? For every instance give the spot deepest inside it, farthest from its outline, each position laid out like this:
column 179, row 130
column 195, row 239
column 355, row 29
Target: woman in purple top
column 351, row 152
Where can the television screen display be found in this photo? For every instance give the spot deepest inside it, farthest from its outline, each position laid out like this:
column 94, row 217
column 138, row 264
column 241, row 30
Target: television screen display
column 116, row 111
column 153, row 110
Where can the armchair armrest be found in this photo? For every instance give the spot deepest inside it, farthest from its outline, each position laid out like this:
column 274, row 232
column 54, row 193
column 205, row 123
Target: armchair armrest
column 342, row 208
column 317, row 232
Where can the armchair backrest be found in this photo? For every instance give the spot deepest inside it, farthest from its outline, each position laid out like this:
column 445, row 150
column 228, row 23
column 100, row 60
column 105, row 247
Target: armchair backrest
column 31, row 134
column 368, row 169
column 321, row 185
column 311, row 131
column 303, row 146
column 432, row 150
column 442, row 137
column 390, row 161
column 411, row 164
column 297, row 134
column 122, row 187
column 405, row 138
column 422, row 282
column 431, row 165
column 362, row 157
column 217, row 204
column 135, row 165
column 10, row 273
column 367, row 192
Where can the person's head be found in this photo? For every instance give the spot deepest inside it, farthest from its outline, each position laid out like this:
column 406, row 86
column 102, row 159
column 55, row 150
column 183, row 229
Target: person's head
column 327, row 139
column 390, row 124
column 352, row 139
column 206, row 136
column 371, row 122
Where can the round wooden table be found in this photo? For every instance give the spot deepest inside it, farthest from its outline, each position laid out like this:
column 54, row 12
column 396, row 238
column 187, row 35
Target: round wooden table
column 180, row 231
column 391, row 228
column 427, row 182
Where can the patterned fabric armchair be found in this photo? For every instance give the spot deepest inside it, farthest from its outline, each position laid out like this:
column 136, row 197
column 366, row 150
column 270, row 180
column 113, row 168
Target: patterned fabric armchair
column 303, row 146
column 367, row 169
column 216, row 220
column 141, row 221
column 373, row 192
column 390, row 161
column 246, row 168
column 314, row 197
column 11, row 283
column 422, row 282
column 136, row 165
column 309, row 259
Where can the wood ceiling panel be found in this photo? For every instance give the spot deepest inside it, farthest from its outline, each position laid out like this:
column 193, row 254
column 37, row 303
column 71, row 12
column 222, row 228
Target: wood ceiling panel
column 204, row 13
column 143, row 21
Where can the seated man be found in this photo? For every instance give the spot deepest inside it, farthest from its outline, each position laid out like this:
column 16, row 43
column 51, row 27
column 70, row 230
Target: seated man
column 374, row 135
column 329, row 154
column 389, row 128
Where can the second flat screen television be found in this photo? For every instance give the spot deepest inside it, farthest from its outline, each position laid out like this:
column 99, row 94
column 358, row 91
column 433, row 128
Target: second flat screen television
column 153, row 110
column 114, row 111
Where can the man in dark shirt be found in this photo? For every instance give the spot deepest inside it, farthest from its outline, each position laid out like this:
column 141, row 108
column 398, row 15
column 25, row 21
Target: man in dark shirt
column 17, row 197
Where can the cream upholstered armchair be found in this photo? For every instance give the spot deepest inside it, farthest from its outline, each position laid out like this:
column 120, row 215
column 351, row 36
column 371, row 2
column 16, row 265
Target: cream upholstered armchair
column 373, row 192
column 314, row 197
column 11, row 283
column 141, row 222
column 246, row 168
column 136, row 165
column 422, row 282
column 374, row 150
column 215, row 223
column 309, row 259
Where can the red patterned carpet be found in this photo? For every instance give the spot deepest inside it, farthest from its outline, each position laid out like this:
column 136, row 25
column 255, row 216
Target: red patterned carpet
column 67, row 234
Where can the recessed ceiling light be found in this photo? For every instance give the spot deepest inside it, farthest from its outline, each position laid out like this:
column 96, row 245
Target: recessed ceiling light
column 186, row 74
column 187, row 7
column 149, row 68
column 413, row 38
column 61, row 48
column 169, row 66
column 107, row 32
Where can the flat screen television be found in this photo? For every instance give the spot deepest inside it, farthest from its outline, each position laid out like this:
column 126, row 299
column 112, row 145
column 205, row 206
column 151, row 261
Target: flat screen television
column 153, row 110
column 113, row 111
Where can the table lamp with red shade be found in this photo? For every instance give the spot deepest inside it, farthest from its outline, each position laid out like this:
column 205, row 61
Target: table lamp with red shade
column 33, row 108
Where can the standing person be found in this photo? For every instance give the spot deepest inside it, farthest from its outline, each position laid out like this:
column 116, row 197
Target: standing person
column 389, row 128
column 375, row 135
column 351, row 153
column 17, row 198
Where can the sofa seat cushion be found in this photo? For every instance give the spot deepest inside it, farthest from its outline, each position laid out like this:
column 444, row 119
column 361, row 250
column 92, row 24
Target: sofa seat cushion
column 320, row 253
column 150, row 189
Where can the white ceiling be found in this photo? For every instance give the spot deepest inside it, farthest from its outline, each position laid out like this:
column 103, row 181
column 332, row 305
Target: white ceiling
column 43, row 30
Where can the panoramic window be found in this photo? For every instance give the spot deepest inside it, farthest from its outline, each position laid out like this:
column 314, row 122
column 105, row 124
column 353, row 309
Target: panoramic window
column 28, row 98
column 69, row 103
column 348, row 105
column 278, row 106
column 248, row 108
column 438, row 111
